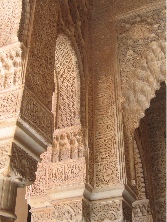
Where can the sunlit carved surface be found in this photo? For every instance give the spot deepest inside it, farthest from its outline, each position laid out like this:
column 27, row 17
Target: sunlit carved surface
column 81, row 121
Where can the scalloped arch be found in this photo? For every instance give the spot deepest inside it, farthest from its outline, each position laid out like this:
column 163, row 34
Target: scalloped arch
column 143, row 82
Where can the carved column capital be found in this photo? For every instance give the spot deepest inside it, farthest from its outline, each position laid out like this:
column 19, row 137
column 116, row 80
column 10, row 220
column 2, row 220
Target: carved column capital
column 141, row 211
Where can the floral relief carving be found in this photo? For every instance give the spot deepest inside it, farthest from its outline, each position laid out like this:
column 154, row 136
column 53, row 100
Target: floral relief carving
column 68, row 211
column 104, row 152
column 105, row 140
column 106, row 211
column 38, row 188
column 64, row 173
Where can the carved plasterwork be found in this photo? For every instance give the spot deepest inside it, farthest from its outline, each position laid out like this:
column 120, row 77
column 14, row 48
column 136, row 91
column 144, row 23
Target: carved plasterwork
column 43, row 215
column 141, row 211
column 11, row 74
column 103, row 150
column 68, row 144
column 11, row 80
column 9, row 105
column 67, row 211
column 105, row 211
column 51, row 175
column 120, row 8
column 141, row 43
column 5, row 150
column 40, row 65
column 140, row 183
column 36, row 114
column 26, row 21
column 152, row 130
column 22, row 165
column 9, row 21
column 67, row 81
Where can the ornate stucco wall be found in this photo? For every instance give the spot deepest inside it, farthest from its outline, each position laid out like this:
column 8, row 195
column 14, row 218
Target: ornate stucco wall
column 76, row 78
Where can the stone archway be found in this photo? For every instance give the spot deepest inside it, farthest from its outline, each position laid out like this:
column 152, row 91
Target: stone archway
column 60, row 176
column 150, row 156
column 141, row 44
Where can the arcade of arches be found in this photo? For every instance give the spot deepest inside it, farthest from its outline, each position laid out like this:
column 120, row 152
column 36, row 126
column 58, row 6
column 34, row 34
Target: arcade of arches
column 82, row 110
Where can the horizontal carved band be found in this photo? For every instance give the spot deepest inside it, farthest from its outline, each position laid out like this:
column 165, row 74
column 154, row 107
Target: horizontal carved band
column 56, row 175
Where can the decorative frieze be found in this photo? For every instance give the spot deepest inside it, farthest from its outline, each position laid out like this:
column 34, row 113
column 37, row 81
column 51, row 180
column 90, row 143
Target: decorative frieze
column 102, row 211
column 43, row 215
column 57, row 175
column 36, row 114
column 68, row 211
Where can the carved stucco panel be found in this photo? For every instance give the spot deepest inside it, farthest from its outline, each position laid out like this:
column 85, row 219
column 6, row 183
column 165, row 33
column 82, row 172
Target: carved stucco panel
column 40, row 65
column 141, row 44
column 36, row 114
column 141, row 211
column 9, row 105
column 65, row 211
column 67, row 81
column 9, row 21
column 22, row 165
column 105, row 211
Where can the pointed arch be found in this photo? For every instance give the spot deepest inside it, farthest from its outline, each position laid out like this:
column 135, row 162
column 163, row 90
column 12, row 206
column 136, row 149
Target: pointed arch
column 67, row 84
